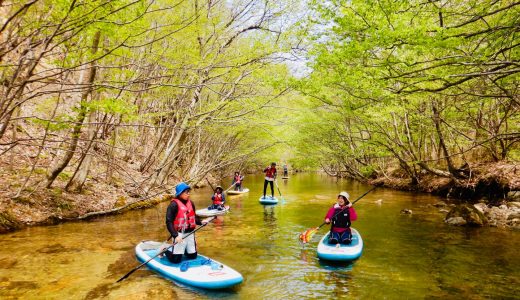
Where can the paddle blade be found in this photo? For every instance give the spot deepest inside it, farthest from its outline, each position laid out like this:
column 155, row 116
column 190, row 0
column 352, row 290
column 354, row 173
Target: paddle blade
column 307, row 235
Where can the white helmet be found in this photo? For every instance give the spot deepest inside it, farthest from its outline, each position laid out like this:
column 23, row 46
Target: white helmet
column 345, row 194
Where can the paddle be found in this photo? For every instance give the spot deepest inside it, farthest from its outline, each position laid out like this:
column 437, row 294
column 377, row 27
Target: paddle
column 214, row 188
column 211, row 185
column 276, row 183
column 161, row 252
column 306, row 236
column 229, row 188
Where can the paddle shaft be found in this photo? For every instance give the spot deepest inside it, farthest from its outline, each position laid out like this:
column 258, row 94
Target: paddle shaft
column 211, row 185
column 139, row 266
column 359, row 198
column 229, row 188
column 278, row 188
column 214, row 191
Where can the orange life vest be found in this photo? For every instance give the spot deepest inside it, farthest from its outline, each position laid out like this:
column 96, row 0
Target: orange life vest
column 185, row 218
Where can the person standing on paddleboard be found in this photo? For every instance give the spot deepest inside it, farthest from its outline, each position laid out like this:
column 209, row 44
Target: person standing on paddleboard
column 237, row 181
column 341, row 215
column 270, row 176
column 181, row 220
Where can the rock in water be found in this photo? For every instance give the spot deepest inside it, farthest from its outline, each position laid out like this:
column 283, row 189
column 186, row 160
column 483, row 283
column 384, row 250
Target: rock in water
column 470, row 214
column 457, row 221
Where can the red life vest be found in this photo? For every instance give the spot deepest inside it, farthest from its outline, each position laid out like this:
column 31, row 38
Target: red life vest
column 237, row 179
column 217, row 199
column 270, row 172
column 185, row 218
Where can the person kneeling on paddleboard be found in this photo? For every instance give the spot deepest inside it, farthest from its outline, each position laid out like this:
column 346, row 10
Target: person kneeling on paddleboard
column 218, row 199
column 341, row 215
column 181, row 220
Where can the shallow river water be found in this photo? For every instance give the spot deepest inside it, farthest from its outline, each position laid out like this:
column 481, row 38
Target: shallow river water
column 412, row 256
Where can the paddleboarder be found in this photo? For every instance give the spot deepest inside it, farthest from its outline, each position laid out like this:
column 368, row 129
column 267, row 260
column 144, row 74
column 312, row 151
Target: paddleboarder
column 218, row 199
column 341, row 214
column 270, row 176
column 237, row 181
column 181, row 220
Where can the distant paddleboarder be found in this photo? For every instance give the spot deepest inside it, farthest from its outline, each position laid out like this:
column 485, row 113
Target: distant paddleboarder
column 237, row 181
column 270, row 176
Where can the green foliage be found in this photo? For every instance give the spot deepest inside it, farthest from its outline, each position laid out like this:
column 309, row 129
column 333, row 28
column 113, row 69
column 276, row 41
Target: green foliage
column 112, row 106
column 380, row 67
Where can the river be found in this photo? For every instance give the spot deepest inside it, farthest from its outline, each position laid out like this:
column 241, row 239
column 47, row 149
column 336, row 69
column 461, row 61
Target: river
column 412, row 256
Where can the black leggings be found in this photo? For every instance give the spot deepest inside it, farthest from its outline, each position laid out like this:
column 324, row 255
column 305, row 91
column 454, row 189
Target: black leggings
column 272, row 187
column 176, row 258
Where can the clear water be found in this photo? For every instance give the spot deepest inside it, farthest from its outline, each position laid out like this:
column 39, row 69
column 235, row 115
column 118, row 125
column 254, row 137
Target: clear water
column 412, row 256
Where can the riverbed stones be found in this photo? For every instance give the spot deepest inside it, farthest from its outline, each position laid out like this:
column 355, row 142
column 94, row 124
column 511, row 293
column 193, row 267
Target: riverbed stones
column 469, row 213
column 503, row 215
column 513, row 195
column 514, row 223
column 513, row 205
column 482, row 207
column 515, row 215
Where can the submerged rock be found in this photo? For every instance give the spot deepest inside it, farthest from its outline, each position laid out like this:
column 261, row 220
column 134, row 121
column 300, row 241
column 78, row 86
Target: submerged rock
column 406, row 211
column 469, row 213
column 457, row 221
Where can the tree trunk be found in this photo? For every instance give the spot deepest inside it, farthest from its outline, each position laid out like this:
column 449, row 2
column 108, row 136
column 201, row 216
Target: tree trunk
column 442, row 144
column 78, row 178
column 76, row 131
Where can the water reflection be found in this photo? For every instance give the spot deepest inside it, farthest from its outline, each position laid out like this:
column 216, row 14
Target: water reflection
column 336, row 266
column 269, row 216
column 307, row 255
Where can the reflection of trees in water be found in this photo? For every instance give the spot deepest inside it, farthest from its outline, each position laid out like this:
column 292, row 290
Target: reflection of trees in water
column 305, row 255
column 218, row 223
column 269, row 217
column 338, row 277
column 236, row 199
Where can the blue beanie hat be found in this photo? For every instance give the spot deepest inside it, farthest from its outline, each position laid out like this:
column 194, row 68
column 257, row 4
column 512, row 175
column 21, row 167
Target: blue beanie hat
column 181, row 187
